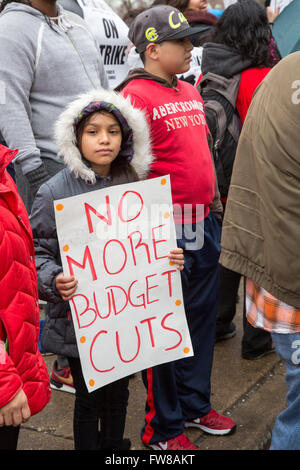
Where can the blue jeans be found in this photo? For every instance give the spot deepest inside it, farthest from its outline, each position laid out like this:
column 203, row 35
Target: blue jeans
column 286, row 432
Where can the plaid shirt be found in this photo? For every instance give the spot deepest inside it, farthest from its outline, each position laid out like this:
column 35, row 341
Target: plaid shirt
column 265, row 311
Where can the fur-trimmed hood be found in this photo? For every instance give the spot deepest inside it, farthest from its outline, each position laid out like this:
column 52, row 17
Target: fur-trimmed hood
column 66, row 139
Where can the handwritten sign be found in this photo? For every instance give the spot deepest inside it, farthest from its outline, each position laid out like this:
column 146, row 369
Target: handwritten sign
column 195, row 66
column 128, row 310
column 111, row 33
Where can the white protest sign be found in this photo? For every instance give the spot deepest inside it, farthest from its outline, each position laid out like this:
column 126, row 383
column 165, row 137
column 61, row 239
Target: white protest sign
column 195, row 66
column 128, row 310
column 111, row 33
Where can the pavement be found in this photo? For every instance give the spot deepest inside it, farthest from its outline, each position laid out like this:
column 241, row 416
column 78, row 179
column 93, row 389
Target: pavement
column 252, row 393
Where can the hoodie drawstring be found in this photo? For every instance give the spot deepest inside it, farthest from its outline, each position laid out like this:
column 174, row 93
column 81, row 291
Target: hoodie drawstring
column 62, row 22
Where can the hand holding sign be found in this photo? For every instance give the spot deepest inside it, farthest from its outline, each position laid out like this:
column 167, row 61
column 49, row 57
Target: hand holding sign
column 127, row 308
column 66, row 286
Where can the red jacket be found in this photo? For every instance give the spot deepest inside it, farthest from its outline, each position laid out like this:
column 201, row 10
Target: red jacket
column 250, row 79
column 23, row 366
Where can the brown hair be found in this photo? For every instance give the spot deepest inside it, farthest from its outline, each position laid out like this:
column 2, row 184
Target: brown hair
column 121, row 170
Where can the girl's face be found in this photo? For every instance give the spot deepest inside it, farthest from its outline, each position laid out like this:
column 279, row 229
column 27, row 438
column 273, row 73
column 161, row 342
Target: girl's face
column 197, row 4
column 101, row 141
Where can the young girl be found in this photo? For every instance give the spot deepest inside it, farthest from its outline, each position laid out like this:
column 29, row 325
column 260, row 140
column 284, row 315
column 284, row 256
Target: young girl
column 104, row 142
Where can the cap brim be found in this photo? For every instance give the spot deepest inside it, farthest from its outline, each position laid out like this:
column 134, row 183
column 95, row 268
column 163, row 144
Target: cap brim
column 188, row 32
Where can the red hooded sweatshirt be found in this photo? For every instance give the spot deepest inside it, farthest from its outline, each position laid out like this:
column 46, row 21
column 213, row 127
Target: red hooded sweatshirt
column 179, row 141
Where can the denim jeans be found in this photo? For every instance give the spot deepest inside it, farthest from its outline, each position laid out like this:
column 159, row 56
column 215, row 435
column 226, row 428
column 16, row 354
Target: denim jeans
column 286, row 432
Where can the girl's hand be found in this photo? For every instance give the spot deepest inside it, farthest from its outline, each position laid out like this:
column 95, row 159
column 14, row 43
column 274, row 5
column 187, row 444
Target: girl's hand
column 66, row 286
column 176, row 256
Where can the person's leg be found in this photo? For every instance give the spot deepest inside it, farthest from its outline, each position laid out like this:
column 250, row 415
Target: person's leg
column 201, row 302
column 106, row 405
column 86, row 410
column 200, row 282
column 187, row 382
column 163, row 419
column 286, row 431
column 61, row 377
column 113, row 415
column 228, row 291
column 256, row 342
column 9, row 437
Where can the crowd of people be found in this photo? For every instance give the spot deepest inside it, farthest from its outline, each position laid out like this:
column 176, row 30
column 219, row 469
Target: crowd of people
column 85, row 103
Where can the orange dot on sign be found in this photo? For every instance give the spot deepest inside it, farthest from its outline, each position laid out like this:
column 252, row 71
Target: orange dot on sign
column 186, row 350
column 166, row 215
column 178, row 302
column 66, row 248
column 171, row 263
column 92, row 382
column 59, row 207
column 82, row 339
column 163, row 181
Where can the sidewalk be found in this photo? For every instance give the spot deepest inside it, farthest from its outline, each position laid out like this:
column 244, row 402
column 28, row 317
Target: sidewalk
column 250, row 392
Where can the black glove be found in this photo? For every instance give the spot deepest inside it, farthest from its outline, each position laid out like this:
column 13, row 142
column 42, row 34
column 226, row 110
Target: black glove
column 36, row 178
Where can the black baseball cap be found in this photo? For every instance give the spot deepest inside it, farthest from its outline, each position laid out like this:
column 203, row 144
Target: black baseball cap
column 161, row 23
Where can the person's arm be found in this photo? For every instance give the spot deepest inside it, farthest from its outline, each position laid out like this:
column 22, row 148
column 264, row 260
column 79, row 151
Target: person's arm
column 17, row 69
column 12, row 397
column 47, row 257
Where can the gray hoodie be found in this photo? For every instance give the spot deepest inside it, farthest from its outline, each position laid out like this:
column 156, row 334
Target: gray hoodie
column 42, row 69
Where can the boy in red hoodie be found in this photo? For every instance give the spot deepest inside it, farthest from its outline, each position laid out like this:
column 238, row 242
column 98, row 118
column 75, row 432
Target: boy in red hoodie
column 178, row 393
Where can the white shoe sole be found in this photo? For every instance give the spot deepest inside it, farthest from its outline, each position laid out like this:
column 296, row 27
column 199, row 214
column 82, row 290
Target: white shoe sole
column 155, row 447
column 63, row 388
column 215, row 432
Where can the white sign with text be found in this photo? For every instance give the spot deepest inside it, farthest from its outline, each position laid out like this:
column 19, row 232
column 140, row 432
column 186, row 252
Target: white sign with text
column 128, row 310
column 110, row 32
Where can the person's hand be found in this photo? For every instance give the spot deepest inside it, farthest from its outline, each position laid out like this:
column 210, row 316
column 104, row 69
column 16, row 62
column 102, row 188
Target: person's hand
column 271, row 15
column 16, row 411
column 176, row 256
column 66, row 286
column 36, row 178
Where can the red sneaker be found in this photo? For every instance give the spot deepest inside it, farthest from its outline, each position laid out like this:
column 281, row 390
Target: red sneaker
column 61, row 379
column 213, row 423
column 180, row 442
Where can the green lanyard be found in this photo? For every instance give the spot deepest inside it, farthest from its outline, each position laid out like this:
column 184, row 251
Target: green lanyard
column 6, row 345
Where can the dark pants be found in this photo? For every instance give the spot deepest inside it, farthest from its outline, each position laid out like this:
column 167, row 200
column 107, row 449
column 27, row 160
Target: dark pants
column 9, row 437
column 180, row 390
column 255, row 340
column 106, row 405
